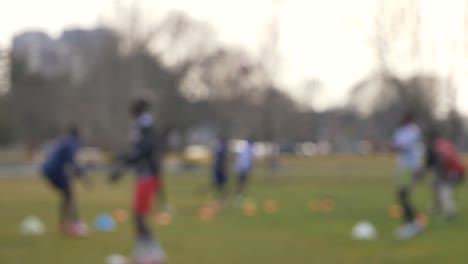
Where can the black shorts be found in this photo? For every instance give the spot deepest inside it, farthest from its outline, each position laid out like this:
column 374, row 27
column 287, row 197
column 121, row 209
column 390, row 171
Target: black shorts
column 58, row 180
column 244, row 174
column 219, row 177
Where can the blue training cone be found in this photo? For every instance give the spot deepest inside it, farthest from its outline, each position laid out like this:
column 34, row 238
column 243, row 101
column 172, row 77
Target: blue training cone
column 104, row 223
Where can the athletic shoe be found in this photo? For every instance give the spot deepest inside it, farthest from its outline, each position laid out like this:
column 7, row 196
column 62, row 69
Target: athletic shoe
column 149, row 252
column 409, row 231
column 78, row 230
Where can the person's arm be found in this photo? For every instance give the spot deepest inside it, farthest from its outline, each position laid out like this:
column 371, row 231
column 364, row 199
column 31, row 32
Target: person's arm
column 117, row 168
column 71, row 152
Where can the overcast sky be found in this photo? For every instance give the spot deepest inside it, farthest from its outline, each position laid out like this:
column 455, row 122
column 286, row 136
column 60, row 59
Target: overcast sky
column 320, row 39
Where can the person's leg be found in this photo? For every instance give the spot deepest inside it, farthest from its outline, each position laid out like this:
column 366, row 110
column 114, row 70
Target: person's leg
column 240, row 189
column 435, row 186
column 145, row 238
column 70, row 206
column 448, row 201
column 147, row 245
column 70, row 223
column 220, row 184
column 63, row 214
column 404, row 200
column 243, row 176
column 62, row 208
column 67, row 208
column 406, row 184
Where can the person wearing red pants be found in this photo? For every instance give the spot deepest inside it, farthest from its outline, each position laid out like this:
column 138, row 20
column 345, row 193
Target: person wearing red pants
column 142, row 158
column 448, row 172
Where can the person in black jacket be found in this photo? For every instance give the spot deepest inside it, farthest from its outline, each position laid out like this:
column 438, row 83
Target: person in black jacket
column 142, row 157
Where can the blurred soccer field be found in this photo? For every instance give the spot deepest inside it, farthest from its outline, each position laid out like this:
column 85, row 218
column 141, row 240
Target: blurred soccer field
column 362, row 188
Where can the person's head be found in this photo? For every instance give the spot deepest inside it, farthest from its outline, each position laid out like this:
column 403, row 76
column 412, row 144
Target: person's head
column 138, row 107
column 222, row 139
column 74, row 131
column 407, row 118
column 432, row 135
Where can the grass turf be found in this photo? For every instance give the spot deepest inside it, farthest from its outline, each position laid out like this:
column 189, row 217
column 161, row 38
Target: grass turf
column 362, row 188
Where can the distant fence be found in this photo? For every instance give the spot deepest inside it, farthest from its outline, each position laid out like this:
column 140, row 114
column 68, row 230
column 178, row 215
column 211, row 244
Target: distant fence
column 21, row 164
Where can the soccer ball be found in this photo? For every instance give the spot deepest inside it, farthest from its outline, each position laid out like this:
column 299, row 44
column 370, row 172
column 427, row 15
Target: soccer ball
column 32, row 226
column 116, row 259
column 364, row 231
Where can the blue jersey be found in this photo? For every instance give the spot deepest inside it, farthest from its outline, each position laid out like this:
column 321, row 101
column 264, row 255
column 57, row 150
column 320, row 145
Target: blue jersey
column 62, row 156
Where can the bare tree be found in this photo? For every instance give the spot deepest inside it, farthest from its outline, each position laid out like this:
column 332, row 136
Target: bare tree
column 405, row 76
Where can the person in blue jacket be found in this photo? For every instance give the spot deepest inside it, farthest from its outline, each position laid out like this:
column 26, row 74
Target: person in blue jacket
column 58, row 169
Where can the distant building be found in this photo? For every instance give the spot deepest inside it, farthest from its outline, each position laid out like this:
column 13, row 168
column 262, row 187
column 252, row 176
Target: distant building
column 40, row 54
column 4, row 71
column 68, row 56
column 85, row 47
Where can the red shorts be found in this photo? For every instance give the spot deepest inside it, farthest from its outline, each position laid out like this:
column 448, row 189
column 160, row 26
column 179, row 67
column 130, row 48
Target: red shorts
column 145, row 189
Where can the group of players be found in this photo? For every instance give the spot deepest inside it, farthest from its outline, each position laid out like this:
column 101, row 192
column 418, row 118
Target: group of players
column 60, row 166
column 442, row 161
column 244, row 165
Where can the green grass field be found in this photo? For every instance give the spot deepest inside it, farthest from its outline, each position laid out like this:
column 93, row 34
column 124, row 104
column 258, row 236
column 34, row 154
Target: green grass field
column 362, row 187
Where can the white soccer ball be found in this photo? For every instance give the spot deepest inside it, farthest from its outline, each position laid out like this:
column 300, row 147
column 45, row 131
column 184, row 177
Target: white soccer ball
column 364, row 230
column 32, row 225
column 116, row 259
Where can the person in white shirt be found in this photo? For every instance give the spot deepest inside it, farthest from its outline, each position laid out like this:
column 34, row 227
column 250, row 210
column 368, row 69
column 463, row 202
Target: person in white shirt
column 407, row 142
column 244, row 165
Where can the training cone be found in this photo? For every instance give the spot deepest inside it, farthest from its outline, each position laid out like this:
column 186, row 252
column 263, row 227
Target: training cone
column 215, row 205
column 163, row 218
column 328, row 204
column 270, row 206
column 206, row 213
column 395, row 211
column 364, row 230
column 121, row 216
column 249, row 208
column 422, row 220
column 104, row 223
column 32, row 225
column 314, row 206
